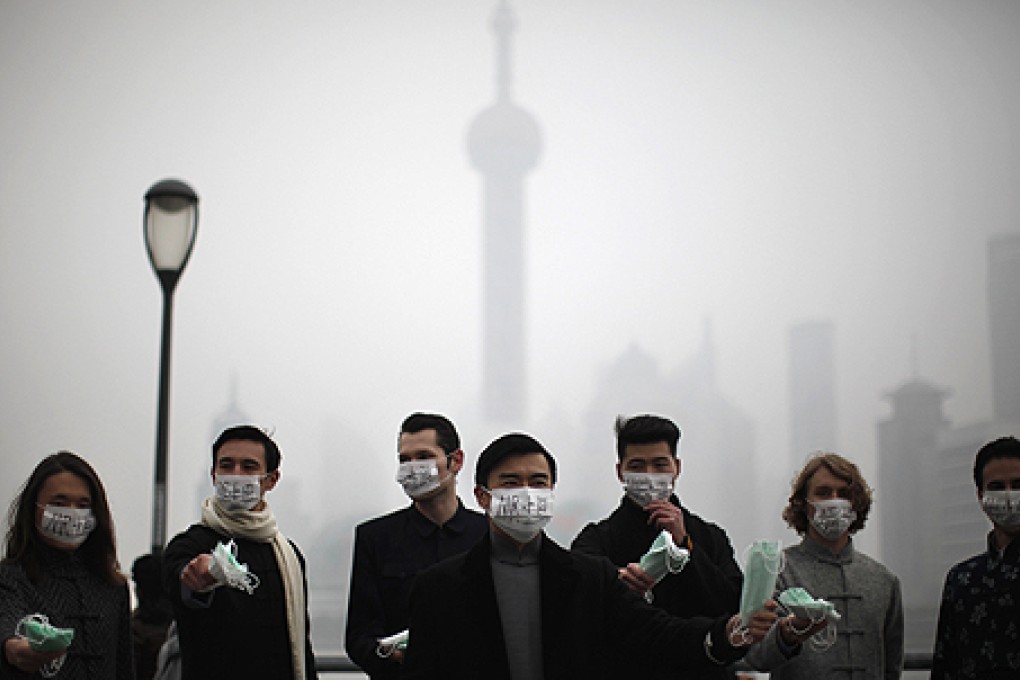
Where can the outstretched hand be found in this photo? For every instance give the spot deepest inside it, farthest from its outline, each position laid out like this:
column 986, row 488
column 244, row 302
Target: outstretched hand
column 757, row 628
column 196, row 574
column 20, row 654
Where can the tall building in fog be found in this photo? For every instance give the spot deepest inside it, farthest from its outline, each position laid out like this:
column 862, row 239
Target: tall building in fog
column 504, row 144
column 1004, row 324
column 909, row 472
column 812, row 383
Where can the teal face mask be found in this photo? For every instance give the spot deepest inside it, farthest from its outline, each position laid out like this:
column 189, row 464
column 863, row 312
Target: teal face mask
column 43, row 637
column 227, row 570
column 763, row 562
column 663, row 557
column 802, row 605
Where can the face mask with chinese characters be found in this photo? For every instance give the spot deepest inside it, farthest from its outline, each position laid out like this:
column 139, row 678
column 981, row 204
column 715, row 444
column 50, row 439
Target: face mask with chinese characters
column 522, row 512
column 418, row 477
column 238, row 492
column 645, row 487
column 68, row 526
column 1002, row 507
column 833, row 518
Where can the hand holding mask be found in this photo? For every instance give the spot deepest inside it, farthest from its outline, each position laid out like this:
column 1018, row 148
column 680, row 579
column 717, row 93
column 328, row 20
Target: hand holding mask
column 43, row 637
column 663, row 557
column 764, row 561
column 393, row 643
column 803, row 606
column 227, row 570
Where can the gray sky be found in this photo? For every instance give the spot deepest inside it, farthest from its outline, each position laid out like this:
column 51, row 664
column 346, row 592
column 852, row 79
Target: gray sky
column 755, row 164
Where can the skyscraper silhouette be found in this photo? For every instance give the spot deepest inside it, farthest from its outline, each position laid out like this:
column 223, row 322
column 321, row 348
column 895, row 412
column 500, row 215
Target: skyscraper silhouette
column 504, row 144
column 1004, row 325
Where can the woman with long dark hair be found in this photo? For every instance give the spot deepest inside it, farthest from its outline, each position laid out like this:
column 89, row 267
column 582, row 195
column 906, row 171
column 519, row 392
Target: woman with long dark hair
column 60, row 561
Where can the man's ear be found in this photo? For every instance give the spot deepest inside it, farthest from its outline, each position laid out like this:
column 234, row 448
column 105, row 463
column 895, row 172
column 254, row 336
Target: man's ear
column 271, row 480
column 482, row 497
column 619, row 472
column 678, row 469
column 456, row 461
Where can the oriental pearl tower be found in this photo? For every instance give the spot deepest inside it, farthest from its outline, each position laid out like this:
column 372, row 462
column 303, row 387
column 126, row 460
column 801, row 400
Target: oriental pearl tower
column 504, row 144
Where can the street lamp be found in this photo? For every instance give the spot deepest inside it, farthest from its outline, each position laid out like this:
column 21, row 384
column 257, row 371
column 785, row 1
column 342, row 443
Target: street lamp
column 170, row 224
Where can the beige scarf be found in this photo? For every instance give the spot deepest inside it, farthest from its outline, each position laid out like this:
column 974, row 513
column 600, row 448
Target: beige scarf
column 260, row 526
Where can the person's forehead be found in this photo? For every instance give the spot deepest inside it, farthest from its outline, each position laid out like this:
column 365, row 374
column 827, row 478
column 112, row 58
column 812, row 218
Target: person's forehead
column 522, row 464
column 65, row 484
column 823, row 476
column 1000, row 469
column 647, row 451
column 415, row 441
column 242, row 449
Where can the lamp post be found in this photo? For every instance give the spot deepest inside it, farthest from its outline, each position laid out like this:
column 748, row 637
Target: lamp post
column 170, row 225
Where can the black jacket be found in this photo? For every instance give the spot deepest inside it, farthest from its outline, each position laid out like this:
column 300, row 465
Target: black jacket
column 389, row 551
column 237, row 635
column 588, row 618
column 708, row 586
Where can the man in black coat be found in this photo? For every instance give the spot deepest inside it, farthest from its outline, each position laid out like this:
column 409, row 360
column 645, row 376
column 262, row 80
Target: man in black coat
column 519, row 606
column 232, row 625
column 389, row 551
column 709, row 584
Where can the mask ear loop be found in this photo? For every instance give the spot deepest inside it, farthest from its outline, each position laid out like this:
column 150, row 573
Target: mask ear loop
column 824, row 639
column 236, row 574
column 813, row 621
column 51, row 668
column 675, row 563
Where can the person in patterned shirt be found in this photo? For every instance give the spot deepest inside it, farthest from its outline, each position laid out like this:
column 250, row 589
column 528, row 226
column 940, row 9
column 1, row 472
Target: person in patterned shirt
column 978, row 633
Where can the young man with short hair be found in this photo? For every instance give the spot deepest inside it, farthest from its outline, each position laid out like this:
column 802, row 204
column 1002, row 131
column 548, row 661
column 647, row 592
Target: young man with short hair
column 978, row 633
column 648, row 466
column 225, row 631
column 389, row 551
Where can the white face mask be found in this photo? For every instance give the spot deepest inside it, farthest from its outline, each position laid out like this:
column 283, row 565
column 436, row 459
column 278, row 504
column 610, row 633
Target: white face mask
column 832, row 518
column 521, row 513
column 69, row 526
column 238, row 492
column 418, row 477
column 1002, row 507
column 645, row 487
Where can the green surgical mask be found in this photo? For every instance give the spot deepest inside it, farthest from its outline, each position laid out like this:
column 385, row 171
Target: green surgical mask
column 43, row 637
column 763, row 562
column 802, row 605
column 663, row 557
column 227, row 570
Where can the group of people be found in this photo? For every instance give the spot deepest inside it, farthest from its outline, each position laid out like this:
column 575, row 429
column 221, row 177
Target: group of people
column 440, row 591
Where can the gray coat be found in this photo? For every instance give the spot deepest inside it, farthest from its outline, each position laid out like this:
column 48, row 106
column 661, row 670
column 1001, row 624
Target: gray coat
column 869, row 636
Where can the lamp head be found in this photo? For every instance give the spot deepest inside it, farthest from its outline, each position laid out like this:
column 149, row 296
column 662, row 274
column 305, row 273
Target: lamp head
column 171, row 223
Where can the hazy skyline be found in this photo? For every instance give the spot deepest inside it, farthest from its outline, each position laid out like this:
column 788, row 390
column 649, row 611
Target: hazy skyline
column 753, row 165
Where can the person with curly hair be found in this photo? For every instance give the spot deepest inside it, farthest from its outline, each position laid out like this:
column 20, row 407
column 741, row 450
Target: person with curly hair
column 828, row 504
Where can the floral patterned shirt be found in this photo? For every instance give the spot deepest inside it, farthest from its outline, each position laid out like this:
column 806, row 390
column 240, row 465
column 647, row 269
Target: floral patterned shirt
column 978, row 633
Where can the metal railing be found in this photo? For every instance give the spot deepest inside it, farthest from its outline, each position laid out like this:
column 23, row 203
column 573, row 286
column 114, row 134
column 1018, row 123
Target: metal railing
column 339, row 663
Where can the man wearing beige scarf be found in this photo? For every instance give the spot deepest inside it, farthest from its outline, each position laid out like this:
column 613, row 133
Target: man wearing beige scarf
column 231, row 623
